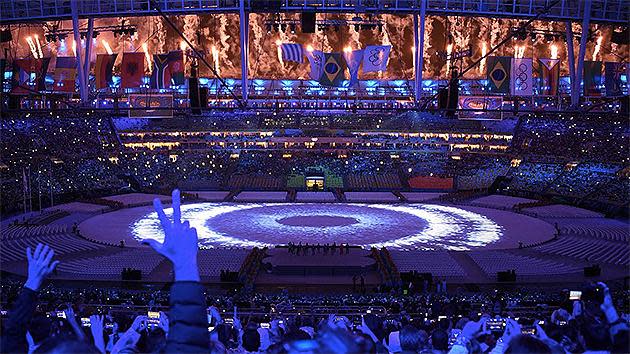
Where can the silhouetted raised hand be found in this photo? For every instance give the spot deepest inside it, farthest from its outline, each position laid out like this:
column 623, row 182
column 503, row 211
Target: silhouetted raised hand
column 39, row 265
column 180, row 241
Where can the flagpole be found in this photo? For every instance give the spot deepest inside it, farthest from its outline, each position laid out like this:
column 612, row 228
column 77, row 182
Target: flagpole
column 575, row 86
column 571, row 57
column 88, row 50
column 39, row 189
column 30, row 194
column 244, row 39
column 24, row 186
column 77, row 39
column 50, row 183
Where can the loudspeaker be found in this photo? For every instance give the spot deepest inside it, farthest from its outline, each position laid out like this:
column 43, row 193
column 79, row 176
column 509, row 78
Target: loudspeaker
column 442, row 97
column 5, row 36
column 625, row 105
column 308, row 22
column 14, row 102
column 193, row 95
column 506, row 276
column 203, row 97
column 592, row 271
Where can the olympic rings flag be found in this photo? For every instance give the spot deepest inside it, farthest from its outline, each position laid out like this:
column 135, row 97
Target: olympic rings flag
column 375, row 58
column 419, row 226
column 522, row 81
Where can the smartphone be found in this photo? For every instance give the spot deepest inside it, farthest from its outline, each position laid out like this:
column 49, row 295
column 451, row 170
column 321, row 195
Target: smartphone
column 153, row 319
column 4, row 312
column 453, row 337
column 109, row 325
column 562, row 323
column 529, row 330
column 209, row 319
column 60, row 314
column 575, row 295
column 85, row 322
column 495, row 324
column 541, row 323
column 229, row 320
column 368, row 311
column 265, row 325
column 210, row 328
column 441, row 318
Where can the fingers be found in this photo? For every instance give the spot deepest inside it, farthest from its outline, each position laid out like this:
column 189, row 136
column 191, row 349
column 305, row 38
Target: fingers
column 52, row 267
column 48, row 257
column 157, row 205
column 38, row 250
column 177, row 213
column 29, row 254
column 193, row 232
column 43, row 253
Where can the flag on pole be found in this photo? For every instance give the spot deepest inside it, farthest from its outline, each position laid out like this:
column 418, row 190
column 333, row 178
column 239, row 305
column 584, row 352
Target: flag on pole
column 41, row 67
column 65, row 74
column 375, row 58
column 176, row 66
column 353, row 60
column 522, row 82
column 316, row 58
column 612, row 78
column 23, row 78
column 103, row 71
column 132, row 70
column 498, row 70
column 592, row 78
column 549, row 76
column 333, row 71
column 292, row 52
column 167, row 70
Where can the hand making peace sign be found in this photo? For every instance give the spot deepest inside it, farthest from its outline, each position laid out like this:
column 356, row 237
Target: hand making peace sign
column 180, row 241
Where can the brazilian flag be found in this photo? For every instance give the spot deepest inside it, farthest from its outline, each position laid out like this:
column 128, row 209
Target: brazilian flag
column 498, row 74
column 333, row 70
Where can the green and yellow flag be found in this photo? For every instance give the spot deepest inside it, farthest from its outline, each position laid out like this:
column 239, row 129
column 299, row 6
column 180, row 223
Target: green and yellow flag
column 498, row 74
column 333, row 71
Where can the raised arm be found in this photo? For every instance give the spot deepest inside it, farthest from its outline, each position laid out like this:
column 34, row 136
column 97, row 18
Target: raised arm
column 40, row 265
column 188, row 330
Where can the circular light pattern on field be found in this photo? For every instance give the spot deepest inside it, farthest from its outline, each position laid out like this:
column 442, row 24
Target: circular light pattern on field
column 421, row 226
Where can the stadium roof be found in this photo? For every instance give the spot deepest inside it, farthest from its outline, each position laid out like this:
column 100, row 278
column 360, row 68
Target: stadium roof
column 603, row 11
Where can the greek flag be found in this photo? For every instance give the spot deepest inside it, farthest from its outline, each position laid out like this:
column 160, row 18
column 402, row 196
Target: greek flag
column 292, row 52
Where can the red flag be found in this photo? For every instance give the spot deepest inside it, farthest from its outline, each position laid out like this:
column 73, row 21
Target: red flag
column 549, row 76
column 103, row 70
column 132, row 70
column 22, row 79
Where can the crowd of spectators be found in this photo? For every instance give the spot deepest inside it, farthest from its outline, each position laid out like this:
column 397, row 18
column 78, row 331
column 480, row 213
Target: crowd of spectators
column 42, row 318
column 76, row 155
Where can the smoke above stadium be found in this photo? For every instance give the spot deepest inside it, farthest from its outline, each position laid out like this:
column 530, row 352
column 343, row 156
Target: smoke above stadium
column 217, row 36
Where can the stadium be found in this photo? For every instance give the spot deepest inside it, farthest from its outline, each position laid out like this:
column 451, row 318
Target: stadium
column 347, row 176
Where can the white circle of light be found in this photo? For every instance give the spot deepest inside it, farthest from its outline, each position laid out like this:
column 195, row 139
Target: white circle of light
column 446, row 228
